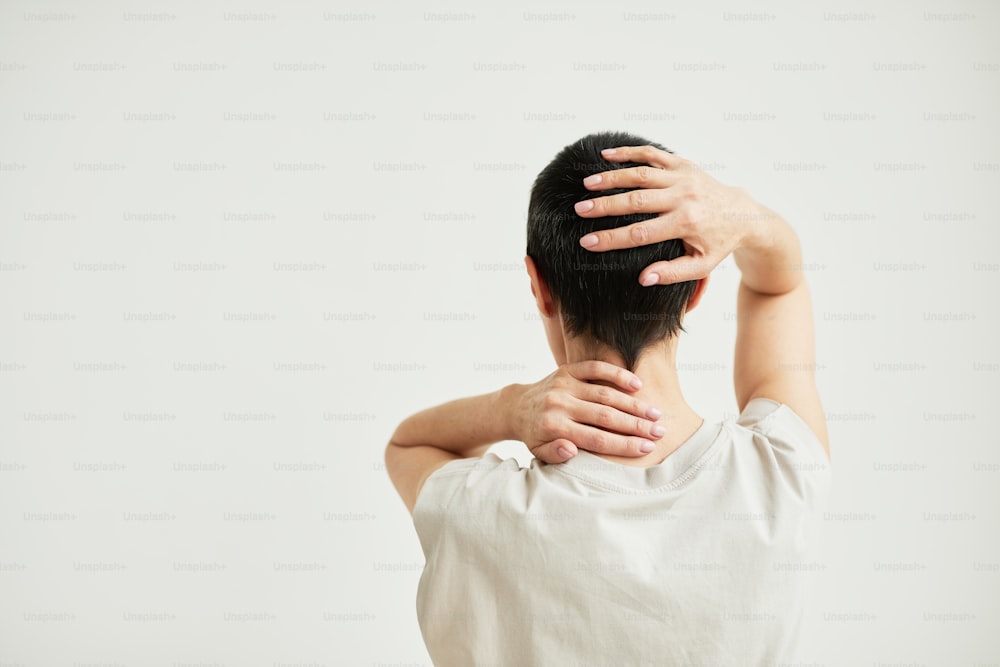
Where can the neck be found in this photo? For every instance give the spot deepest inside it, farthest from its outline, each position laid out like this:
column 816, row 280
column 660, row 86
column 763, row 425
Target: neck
column 657, row 368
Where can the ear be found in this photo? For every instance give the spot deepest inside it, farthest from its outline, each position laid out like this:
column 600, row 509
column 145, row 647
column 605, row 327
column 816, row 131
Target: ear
column 699, row 291
column 539, row 290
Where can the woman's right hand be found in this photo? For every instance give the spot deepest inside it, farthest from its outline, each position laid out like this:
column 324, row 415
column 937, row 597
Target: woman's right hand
column 567, row 410
column 711, row 219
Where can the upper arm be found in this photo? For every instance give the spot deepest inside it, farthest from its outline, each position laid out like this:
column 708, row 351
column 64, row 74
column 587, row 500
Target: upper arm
column 775, row 354
column 409, row 467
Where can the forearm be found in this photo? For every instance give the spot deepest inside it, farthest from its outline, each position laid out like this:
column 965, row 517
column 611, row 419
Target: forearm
column 465, row 427
column 769, row 256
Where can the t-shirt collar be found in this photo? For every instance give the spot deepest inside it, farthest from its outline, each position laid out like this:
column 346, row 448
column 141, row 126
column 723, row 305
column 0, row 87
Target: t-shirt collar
column 668, row 472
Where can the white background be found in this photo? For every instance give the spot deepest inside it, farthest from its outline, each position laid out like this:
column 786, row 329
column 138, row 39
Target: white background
column 240, row 242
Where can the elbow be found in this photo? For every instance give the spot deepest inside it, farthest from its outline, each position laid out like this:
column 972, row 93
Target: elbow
column 391, row 459
column 391, row 450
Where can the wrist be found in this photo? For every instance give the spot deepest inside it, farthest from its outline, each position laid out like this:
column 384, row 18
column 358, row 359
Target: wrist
column 509, row 400
column 769, row 256
column 758, row 225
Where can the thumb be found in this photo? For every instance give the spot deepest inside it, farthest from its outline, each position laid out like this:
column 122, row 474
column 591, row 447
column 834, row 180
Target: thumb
column 553, row 452
column 677, row 270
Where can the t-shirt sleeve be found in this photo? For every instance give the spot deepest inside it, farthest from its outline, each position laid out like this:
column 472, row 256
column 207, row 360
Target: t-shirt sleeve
column 795, row 449
column 446, row 494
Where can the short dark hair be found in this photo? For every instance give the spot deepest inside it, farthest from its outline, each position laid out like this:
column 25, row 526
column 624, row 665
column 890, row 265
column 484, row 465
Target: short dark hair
column 598, row 293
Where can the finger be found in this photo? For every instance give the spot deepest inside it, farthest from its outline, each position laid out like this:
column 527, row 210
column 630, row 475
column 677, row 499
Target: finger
column 557, row 451
column 649, row 231
column 602, row 370
column 619, row 400
column 681, row 269
column 643, row 200
column 647, row 154
column 605, row 442
column 632, row 177
column 612, row 419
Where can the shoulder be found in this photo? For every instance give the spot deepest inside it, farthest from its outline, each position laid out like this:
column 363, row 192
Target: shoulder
column 465, row 475
column 783, row 426
column 787, row 443
column 462, row 489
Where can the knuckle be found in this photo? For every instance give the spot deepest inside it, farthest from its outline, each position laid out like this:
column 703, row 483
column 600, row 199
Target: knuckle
column 604, row 394
column 546, row 453
column 669, row 274
column 604, row 417
column 599, row 441
column 683, row 218
column 549, row 423
column 637, row 199
column 643, row 175
column 639, row 233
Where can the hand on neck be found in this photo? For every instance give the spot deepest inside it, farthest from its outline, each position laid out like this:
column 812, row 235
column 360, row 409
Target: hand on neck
column 657, row 368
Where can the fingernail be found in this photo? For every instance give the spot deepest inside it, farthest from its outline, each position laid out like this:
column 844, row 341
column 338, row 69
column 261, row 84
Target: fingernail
column 657, row 430
column 589, row 241
column 653, row 413
column 646, row 447
column 636, row 383
column 608, row 151
column 650, row 279
column 593, row 179
column 564, row 453
column 584, row 206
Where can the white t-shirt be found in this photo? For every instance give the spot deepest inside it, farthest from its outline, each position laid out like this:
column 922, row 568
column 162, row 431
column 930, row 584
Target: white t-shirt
column 702, row 559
